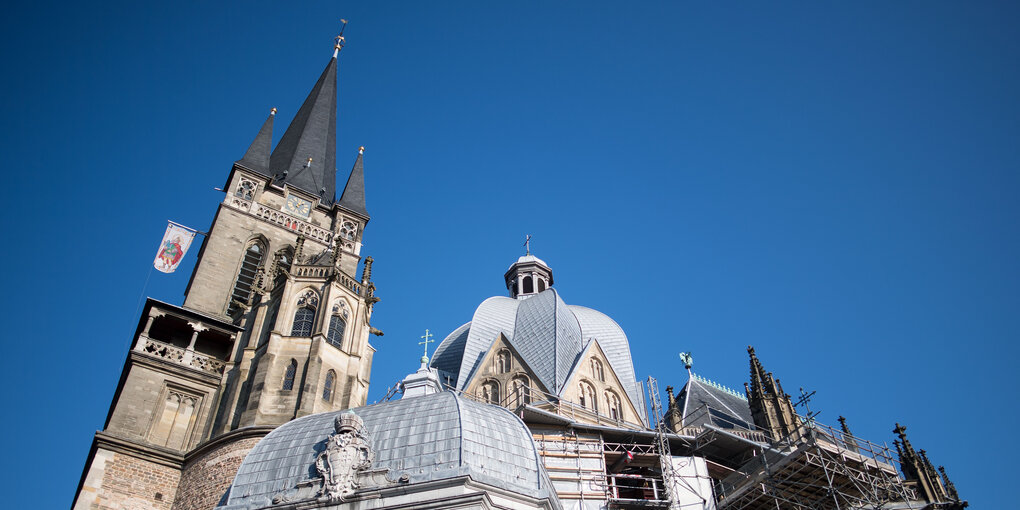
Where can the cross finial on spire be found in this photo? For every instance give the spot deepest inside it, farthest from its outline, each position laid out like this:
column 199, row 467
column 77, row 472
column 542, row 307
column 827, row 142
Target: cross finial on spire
column 527, row 244
column 427, row 340
column 340, row 38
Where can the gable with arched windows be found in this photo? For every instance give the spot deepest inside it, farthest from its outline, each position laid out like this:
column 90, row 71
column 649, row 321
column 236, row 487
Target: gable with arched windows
column 304, row 316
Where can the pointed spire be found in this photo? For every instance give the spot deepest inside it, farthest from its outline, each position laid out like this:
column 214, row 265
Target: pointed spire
column 757, row 374
column 306, row 155
column 257, row 156
column 353, row 197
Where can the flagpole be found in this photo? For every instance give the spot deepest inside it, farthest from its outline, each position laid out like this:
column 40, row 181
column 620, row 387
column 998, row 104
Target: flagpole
column 188, row 228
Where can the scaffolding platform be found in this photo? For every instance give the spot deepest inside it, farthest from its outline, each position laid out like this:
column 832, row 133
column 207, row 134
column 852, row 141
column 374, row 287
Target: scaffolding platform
column 823, row 469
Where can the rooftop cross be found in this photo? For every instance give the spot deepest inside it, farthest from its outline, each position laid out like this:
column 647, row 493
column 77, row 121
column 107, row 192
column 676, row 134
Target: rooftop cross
column 805, row 399
column 527, row 244
column 427, row 340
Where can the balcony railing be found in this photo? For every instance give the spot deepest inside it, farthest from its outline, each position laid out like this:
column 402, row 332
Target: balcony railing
column 186, row 357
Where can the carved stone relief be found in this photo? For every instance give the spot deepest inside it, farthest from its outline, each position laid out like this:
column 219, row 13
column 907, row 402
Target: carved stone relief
column 348, row 451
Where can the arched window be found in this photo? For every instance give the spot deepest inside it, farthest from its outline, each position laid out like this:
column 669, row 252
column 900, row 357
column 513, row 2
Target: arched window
column 288, row 376
column 327, row 387
column 529, row 286
column 520, row 391
column 337, row 324
column 541, row 284
column 489, row 392
column 245, row 277
column 615, row 406
column 597, row 371
column 588, row 398
column 503, row 361
column 305, row 314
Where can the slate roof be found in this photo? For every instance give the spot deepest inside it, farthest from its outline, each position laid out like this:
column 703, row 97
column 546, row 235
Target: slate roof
column 311, row 134
column 703, row 402
column 546, row 332
column 257, row 155
column 353, row 197
column 427, row 438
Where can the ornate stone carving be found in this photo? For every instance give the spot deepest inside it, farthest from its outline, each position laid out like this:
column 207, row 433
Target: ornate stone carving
column 348, row 451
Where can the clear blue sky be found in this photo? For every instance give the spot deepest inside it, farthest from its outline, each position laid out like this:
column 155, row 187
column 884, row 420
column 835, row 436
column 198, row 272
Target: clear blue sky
column 833, row 183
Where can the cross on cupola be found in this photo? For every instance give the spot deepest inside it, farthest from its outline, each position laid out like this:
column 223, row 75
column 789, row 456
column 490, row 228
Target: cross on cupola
column 427, row 339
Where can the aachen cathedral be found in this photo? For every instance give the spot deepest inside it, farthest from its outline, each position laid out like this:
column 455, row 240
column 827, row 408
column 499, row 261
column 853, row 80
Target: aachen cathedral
column 252, row 393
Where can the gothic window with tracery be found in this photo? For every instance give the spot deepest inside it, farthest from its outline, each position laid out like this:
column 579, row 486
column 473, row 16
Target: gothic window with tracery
column 348, row 230
column 503, row 361
column 288, row 376
column 520, row 391
column 489, row 392
column 597, row 371
column 327, row 387
column 245, row 277
column 245, row 189
column 615, row 405
column 588, row 398
column 305, row 314
column 337, row 325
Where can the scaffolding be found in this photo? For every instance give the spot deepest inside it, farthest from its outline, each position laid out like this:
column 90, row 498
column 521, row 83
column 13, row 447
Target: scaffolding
column 816, row 467
column 822, row 468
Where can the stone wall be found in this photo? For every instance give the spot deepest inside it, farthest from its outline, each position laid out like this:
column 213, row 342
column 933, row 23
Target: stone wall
column 209, row 471
column 120, row 481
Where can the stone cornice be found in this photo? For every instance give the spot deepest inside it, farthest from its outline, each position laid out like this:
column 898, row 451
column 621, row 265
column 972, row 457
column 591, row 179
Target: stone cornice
column 134, row 448
column 234, row 435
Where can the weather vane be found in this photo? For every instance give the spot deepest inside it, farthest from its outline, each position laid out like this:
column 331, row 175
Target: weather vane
column 427, row 340
column 527, row 244
column 687, row 359
column 340, row 38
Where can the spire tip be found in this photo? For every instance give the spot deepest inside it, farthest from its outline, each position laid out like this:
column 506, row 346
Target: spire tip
column 361, row 150
column 272, row 111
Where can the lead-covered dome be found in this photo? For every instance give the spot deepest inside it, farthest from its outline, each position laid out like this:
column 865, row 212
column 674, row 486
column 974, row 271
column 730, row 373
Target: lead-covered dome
column 549, row 334
column 428, row 438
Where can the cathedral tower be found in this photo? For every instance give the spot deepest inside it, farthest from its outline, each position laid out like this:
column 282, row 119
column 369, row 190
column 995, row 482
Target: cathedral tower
column 275, row 322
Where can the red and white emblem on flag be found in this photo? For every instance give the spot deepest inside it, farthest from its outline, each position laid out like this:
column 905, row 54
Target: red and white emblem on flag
column 175, row 244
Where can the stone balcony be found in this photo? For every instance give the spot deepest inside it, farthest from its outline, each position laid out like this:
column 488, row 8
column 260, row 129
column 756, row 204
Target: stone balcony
column 186, row 338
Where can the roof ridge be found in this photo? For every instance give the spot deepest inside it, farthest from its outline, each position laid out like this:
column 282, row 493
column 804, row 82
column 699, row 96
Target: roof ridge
column 720, row 387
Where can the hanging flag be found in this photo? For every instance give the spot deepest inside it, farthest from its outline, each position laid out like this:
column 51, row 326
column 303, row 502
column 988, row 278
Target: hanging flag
column 175, row 244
